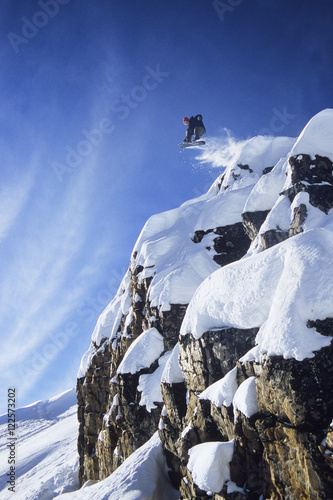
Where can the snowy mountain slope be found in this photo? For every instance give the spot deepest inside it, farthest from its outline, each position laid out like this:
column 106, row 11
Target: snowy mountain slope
column 272, row 290
column 143, row 476
column 163, row 248
column 46, row 449
column 165, row 251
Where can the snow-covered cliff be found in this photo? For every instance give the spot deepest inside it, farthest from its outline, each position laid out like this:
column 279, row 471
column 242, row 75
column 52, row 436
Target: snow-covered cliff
column 210, row 373
column 220, row 334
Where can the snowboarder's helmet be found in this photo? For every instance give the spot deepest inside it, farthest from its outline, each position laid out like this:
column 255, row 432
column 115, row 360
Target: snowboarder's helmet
column 186, row 121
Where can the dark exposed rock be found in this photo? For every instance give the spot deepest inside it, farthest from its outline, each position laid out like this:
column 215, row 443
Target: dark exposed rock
column 244, row 167
column 272, row 237
column 323, row 326
column 320, row 196
column 166, row 322
column 267, row 170
column 252, row 222
column 313, row 176
column 246, row 466
column 207, row 359
column 293, row 465
column 231, row 242
column 313, row 171
column 298, row 392
column 93, row 393
column 300, row 214
column 199, row 234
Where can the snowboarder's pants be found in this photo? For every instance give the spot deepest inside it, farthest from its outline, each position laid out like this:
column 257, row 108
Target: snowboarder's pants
column 197, row 132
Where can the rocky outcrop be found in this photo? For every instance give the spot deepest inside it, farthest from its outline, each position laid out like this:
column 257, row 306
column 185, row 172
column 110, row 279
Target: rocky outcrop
column 274, row 410
column 230, row 243
column 204, row 361
column 313, row 176
column 283, row 450
column 93, row 395
column 252, row 222
column 113, row 421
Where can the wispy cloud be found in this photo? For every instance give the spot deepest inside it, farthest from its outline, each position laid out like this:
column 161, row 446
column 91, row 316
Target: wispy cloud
column 40, row 268
column 14, row 195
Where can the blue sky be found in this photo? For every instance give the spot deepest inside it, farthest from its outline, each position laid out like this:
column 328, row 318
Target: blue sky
column 92, row 100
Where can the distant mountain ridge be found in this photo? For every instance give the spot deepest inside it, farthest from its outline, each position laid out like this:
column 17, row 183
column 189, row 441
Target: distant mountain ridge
column 46, row 462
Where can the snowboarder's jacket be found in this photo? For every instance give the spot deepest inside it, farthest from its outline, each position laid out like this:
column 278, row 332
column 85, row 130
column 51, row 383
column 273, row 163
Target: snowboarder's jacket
column 195, row 127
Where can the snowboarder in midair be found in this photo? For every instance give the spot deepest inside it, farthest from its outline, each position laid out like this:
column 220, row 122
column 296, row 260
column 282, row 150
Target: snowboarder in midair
column 195, row 127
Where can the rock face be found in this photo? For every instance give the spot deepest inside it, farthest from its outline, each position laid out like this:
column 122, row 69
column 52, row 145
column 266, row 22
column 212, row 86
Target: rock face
column 113, row 420
column 113, row 424
column 209, row 372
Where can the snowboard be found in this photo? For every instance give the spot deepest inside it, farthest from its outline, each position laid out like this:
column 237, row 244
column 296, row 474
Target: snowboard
column 191, row 144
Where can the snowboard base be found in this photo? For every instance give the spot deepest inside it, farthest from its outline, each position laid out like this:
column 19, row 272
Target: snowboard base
column 191, row 144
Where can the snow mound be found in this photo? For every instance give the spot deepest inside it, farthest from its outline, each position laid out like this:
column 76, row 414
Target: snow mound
column 142, row 352
column 172, row 373
column 245, row 399
column 209, row 465
column 278, row 291
column 317, row 136
column 143, row 476
column 222, row 392
column 150, row 384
